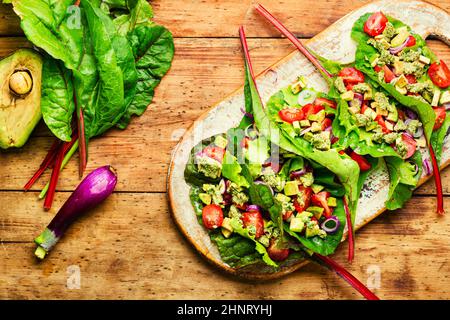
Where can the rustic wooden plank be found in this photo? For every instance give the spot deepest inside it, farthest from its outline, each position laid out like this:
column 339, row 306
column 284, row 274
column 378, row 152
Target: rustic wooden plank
column 130, row 248
column 305, row 18
column 197, row 18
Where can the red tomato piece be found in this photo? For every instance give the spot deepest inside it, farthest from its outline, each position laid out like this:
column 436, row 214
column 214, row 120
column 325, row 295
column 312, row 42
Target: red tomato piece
column 411, row 78
column 364, row 106
column 244, row 142
column 276, row 252
column 287, row 215
column 411, row 42
column 325, row 103
column 254, row 220
column 351, row 75
column 326, row 123
column 363, row 164
column 320, row 199
column 377, row 68
column 375, row 24
column 382, row 123
column 440, row 117
column 311, row 109
column 439, row 74
column 212, row 216
column 216, row 153
column 303, row 199
column 291, row 114
column 411, row 144
column 388, row 74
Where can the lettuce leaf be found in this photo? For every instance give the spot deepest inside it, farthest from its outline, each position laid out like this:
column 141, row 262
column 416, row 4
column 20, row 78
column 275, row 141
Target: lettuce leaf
column 231, row 170
column 438, row 137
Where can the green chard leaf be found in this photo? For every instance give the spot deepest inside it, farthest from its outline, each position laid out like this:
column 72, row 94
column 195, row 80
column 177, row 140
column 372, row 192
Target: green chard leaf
column 57, row 104
column 438, row 137
column 153, row 50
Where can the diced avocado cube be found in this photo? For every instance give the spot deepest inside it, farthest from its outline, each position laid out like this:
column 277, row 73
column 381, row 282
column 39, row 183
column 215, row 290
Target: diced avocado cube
column 401, row 37
column 312, row 231
column 305, row 216
column 348, row 96
column 282, row 198
column 401, row 90
column 298, row 86
column 205, row 198
column 313, row 117
column 305, row 123
column 226, row 224
column 354, row 110
column 382, row 112
column 316, row 211
column 424, row 60
column 421, row 142
column 264, row 240
column 297, row 127
column 402, row 81
column 374, row 60
column 399, row 66
column 445, row 97
column 297, row 225
column 316, row 188
column 370, row 113
column 436, row 97
column 221, row 142
column 308, row 136
column 393, row 116
column 226, row 233
column 368, row 95
column 291, row 188
column 321, row 115
column 427, row 96
column 316, row 127
column 389, row 125
column 332, row 202
column 379, row 37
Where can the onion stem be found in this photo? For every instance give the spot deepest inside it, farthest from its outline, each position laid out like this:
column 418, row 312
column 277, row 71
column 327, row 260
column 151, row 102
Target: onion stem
column 277, row 24
column 54, row 180
column 66, row 159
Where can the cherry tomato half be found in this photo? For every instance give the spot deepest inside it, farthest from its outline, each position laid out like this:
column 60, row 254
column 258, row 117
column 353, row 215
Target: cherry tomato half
column 411, row 78
column 351, row 75
column 311, row 109
column 410, row 143
column 411, row 42
column 439, row 74
column 276, row 252
column 375, row 24
column 212, row 216
column 291, row 114
column 388, row 74
column 325, row 103
column 216, row 153
column 303, row 199
column 440, row 117
column 382, row 123
column 320, row 199
column 254, row 220
column 363, row 164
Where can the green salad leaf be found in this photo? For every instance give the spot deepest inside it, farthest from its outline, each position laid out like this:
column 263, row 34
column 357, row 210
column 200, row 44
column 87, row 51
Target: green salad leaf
column 438, row 137
column 231, row 170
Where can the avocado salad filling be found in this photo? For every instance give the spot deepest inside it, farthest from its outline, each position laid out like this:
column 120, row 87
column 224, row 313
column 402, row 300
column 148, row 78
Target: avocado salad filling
column 378, row 119
column 281, row 202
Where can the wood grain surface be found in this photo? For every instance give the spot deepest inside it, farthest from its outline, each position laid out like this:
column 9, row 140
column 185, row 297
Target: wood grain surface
column 129, row 247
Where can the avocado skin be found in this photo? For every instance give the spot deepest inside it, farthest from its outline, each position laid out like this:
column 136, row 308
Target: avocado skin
column 19, row 115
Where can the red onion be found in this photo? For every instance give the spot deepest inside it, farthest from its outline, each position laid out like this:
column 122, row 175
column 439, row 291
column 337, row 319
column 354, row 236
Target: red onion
column 410, row 114
column 335, row 224
column 329, row 128
column 357, row 97
column 416, row 167
column 396, row 50
column 253, row 207
column 247, row 114
column 222, row 186
column 446, row 106
column 427, row 166
column 297, row 174
column 418, row 133
column 305, row 131
column 94, row 189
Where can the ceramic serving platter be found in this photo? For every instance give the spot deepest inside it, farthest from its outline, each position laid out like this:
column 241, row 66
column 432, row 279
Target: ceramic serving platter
column 333, row 43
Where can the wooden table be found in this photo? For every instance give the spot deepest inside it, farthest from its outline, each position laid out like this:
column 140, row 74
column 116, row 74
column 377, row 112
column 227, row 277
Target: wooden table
column 129, row 248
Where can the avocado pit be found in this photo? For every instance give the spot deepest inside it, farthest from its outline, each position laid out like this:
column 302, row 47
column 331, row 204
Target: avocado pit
column 20, row 82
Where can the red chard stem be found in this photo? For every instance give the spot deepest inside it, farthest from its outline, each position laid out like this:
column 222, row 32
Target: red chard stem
column 82, row 140
column 437, row 180
column 347, row 276
column 54, row 179
column 351, row 240
column 277, row 24
column 244, row 44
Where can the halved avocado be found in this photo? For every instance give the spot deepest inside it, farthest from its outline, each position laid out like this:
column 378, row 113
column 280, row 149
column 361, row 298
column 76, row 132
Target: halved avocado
column 20, row 97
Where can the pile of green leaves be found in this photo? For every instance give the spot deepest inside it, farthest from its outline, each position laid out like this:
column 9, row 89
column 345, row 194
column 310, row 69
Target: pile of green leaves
column 105, row 57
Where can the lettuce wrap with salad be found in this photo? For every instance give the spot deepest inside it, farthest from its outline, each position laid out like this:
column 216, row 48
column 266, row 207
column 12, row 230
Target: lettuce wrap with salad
column 398, row 60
